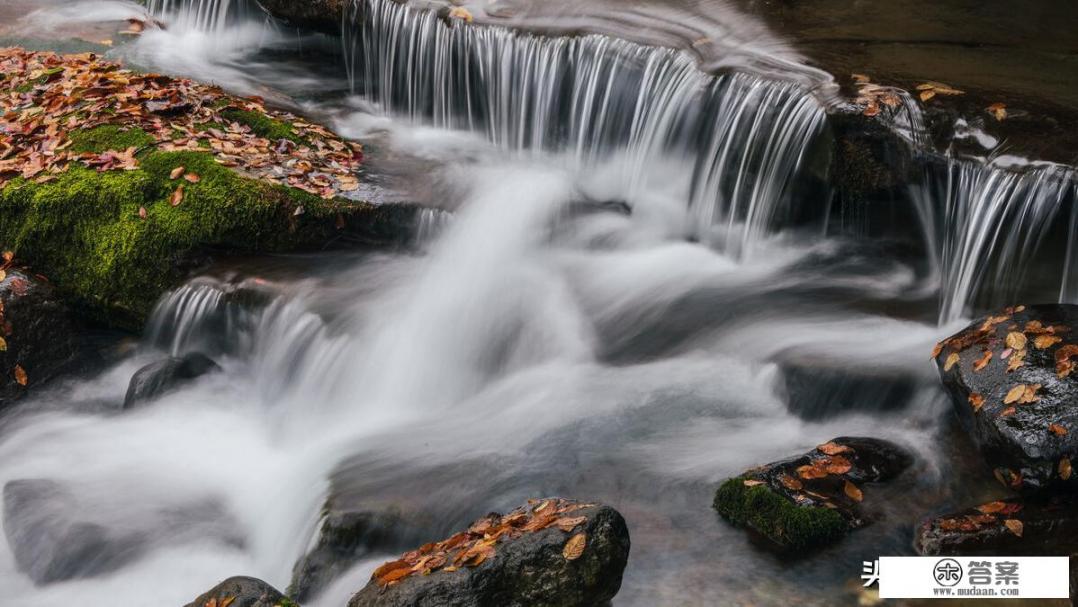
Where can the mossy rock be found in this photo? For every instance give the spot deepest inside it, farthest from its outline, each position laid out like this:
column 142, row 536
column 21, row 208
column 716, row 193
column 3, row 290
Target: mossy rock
column 84, row 231
column 812, row 499
column 776, row 517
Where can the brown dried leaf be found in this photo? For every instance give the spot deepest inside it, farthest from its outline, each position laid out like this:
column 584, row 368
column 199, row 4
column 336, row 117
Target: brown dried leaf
column 1016, row 360
column 833, row 448
column 176, row 172
column 574, row 548
column 983, row 361
column 998, row 111
column 177, row 197
column 936, row 350
column 192, row 177
column 142, row 212
column 1065, row 468
column 1014, row 394
column 567, row 524
column 952, row 360
column 225, row 602
column 976, row 401
column 991, row 507
column 1014, row 526
column 1009, row 411
column 20, row 375
column 1057, row 429
column 749, row 482
column 459, row 12
column 790, row 482
column 1016, row 340
column 853, row 492
column 3, row 345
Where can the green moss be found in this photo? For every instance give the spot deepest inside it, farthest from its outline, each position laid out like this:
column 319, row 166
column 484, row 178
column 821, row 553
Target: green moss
column 109, row 137
column 83, row 229
column 262, row 125
column 776, row 517
column 287, row 602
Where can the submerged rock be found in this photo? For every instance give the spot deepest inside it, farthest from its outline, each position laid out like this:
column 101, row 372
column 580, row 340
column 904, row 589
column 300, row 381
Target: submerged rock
column 1012, row 526
column 1012, row 384
column 812, row 499
column 243, row 592
column 344, row 538
column 38, row 336
column 162, row 376
column 55, row 535
column 552, row 552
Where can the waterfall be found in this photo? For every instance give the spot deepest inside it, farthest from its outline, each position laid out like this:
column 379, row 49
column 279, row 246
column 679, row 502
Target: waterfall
column 594, row 97
column 991, row 223
column 202, row 15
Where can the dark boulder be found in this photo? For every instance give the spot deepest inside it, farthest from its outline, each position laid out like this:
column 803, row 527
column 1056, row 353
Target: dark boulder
column 1011, row 382
column 324, row 15
column 54, row 535
column 244, row 592
column 552, row 553
column 344, row 538
column 1011, row 526
column 815, row 498
column 39, row 340
column 162, row 376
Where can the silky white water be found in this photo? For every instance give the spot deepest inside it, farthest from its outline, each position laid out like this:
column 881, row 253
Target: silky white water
column 581, row 316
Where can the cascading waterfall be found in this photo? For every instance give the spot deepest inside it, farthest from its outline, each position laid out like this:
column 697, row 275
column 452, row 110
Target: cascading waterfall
column 203, row 15
column 988, row 223
column 595, row 97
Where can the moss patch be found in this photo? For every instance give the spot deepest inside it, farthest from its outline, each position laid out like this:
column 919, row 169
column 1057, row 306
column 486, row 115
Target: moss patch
column 84, row 232
column 109, row 137
column 777, row 518
column 262, row 125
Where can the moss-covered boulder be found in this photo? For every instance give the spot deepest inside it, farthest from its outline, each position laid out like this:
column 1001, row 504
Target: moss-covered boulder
column 813, row 499
column 547, row 553
column 1013, row 385
column 116, row 184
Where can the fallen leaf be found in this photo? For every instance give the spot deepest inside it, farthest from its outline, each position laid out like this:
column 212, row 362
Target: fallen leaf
column 574, row 547
column 937, row 349
column 810, row 472
column 142, row 212
column 3, row 345
column 952, row 360
column 459, row 12
column 790, row 482
column 998, row 110
column 192, row 177
column 853, row 492
column 1046, row 341
column 225, row 602
column 569, row 523
column 1016, row 360
column 177, row 197
column 1009, row 411
column 860, row 78
column 20, row 375
column 749, row 482
column 1014, row 394
column 983, row 361
column 3, row 275
column 834, row 448
column 839, row 465
column 1016, row 340
column 1065, row 468
column 976, row 401
column 1057, row 429
column 927, row 94
column 1014, row 526
column 991, row 507
column 176, row 172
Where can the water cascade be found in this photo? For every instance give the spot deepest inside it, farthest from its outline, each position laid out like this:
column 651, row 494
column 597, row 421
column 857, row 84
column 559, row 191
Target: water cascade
column 744, row 136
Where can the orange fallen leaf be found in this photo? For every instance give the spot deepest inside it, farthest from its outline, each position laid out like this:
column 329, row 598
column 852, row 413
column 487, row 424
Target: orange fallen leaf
column 20, row 375
column 192, row 177
column 834, row 448
column 1016, row 340
column 976, row 401
column 1017, row 359
column 853, row 492
column 937, row 349
column 1057, row 429
column 3, row 345
column 459, row 12
column 1065, row 468
column 983, row 361
column 1009, row 411
column 749, row 482
column 998, row 111
column 1014, row 526
column 952, row 360
column 177, row 197
column 991, row 507
column 790, row 482
column 574, row 548
column 1046, row 341
column 176, row 172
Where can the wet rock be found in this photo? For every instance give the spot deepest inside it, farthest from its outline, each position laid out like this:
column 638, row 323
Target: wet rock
column 815, row 498
column 244, row 592
column 48, row 540
column 1012, row 526
column 1011, row 382
column 550, row 552
column 324, row 15
column 344, row 538
column 56, row 535
column 39, row 337
column 162, row 376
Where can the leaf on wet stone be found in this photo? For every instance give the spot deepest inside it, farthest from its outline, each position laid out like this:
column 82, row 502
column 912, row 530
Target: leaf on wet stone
column 1042, row 342
column 976, row 401
column 1065, row 468
column 833, row 448
column 1009, row 411
column 992, row 507
column 20, row 375
column 983, row 361
column 952, row 360
column 790, row 482
column 574, row 548
column 936, row 350
column 852, row 491
column 1017, row 359
column 1015, row 526
column 998, row 111
column 1016, row 340
column 3, row 345
column 459, row 12
column 1057, row 429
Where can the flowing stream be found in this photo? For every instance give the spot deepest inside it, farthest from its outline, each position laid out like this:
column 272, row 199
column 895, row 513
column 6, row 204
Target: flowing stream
column 608, row 299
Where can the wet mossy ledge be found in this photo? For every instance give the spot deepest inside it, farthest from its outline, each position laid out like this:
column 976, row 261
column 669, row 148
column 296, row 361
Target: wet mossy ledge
column 142, row 191
column 791, row 526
